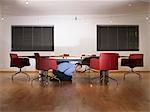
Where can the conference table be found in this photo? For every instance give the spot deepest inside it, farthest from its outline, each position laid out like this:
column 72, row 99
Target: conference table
column 61, row 58
column 75, row 59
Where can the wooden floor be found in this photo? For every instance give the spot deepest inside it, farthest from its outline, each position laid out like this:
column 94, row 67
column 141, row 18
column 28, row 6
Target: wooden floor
column 131, row 95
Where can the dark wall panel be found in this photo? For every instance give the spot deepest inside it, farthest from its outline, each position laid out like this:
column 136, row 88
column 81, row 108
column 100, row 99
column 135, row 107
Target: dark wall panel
column 112, row 34
column 32, row 38
column 133, row 38
column 122, row 38
column 104, row 38
column 27, row 38
column 37, row 34
column 17, row 32
column 117, row 38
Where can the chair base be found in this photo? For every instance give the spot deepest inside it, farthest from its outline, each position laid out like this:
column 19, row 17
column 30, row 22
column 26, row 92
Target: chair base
column 132, row 71
column 104, row 77
column 44, row 78
column 20, row 71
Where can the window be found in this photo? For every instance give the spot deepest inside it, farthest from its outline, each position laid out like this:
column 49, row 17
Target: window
column 32, row 38
column 117, row 38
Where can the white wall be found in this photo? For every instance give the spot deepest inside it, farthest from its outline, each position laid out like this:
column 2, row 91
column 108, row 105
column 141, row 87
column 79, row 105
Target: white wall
column 0, row 38
column 73, row 37
column 148, row 42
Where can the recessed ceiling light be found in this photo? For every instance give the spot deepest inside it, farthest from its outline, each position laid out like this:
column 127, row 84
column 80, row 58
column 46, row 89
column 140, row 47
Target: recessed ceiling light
column 2, row 18
column 110, row 21
column 147, row 18
column 129, row 4
column 27, row 2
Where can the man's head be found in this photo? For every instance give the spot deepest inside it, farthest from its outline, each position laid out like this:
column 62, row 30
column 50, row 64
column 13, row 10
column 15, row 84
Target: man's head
column 78, row 67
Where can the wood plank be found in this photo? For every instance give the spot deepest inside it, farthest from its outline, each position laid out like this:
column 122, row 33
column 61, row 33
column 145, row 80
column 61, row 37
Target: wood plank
column 132, row 95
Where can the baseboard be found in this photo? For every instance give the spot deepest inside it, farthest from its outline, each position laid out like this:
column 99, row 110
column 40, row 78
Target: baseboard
column 127, row 71
column 17, row 71
column 36, row 71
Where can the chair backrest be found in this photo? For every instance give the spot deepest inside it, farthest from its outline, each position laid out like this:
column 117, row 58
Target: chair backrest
column 87, row 60
column 136, row 60
column 66, row 54
column 53, row 64
column 45, row 63
column 136, row 56
column 37, row 56
column 108, row 61
column 13, row 58
column 94, row 63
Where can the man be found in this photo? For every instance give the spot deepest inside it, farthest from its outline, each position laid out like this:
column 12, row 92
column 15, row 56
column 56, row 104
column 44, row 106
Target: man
column 66, row 70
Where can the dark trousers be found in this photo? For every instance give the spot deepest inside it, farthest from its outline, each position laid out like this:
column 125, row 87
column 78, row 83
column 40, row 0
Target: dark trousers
column 62, row 76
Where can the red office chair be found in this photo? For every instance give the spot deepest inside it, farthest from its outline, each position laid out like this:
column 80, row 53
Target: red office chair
column 134, row 60
column 44, row 64
column 19, row 63
column 86, row 60
column 106, row 62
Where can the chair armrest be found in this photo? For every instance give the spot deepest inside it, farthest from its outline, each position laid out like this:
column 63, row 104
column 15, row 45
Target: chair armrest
column 137, row 62
column 25, row 61
column 125, row 62
column 132, row 62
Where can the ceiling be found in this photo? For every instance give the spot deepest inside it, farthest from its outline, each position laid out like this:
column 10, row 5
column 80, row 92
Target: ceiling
column 74, row 7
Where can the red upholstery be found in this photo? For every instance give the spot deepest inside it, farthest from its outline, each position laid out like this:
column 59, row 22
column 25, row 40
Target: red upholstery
column 136, row 56
column 134, row 60
column 18, row 62
column 94, row 63
column 13, row 55
column 45, row 63
column 107, row 61
column 53, row 64
column 86, row 60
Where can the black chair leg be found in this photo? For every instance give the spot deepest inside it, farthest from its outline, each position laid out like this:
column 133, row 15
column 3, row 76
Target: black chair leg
column 132, row 71
column 140, row 77
column 113, row 79
column 37, row 78
column 12, row 77
column 100, row 77
column 126, row 74
column 43, row 78
column 20, row 71
column 26, row 75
